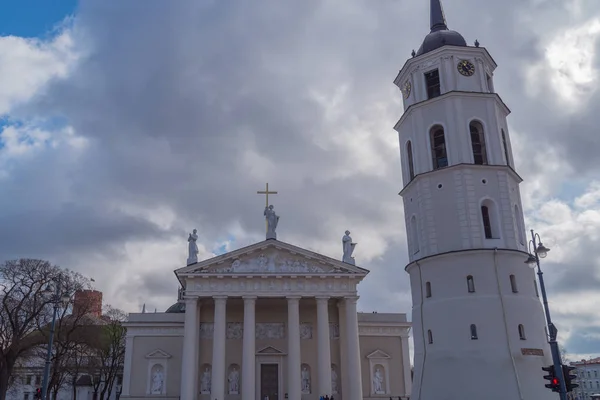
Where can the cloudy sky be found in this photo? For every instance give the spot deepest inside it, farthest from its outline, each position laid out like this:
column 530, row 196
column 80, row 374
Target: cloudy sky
column 123, row 127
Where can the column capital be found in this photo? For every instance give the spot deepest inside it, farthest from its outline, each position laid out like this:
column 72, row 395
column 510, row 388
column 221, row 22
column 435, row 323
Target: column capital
column 351, row 299
column 293, row 298
column 220, row 299
column 248, row 299
column 322, row 298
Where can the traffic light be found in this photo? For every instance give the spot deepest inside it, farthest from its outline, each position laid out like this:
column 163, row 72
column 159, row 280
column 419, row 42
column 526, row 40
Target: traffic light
column 38, row 393
column 569, row 378
column 554, row 381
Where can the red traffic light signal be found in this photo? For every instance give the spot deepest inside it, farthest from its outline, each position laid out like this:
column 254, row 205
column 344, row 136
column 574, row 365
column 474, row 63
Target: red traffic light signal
column 554, row 381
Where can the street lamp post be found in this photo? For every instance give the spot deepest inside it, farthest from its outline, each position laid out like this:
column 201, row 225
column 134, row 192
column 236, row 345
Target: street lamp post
column 541, row 251
column 57, row 299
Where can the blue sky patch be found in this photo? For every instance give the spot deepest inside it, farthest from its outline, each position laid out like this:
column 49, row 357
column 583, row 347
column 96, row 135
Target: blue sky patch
column 33, row 18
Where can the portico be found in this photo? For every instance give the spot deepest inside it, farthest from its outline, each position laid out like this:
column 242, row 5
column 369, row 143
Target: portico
column 275, row 271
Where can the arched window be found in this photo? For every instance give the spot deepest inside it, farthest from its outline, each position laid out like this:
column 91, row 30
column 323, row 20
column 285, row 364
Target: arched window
column 513, row 284
column 478, row 143
column 414, row 232
column 470, row 284
column 520, row 227
column 521, row 332
column 409, row 157
column 427, row 289
column 473, row 332
column 489, row 218
column 430, row 336
column 438, row 147
column 505, row 146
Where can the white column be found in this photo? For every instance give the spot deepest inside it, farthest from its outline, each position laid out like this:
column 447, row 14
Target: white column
column 406, row 364
column 323, row 346
column 249, row 349
column 196, row 378
column 343, row 345
column 354, row 370
column 218, row 361
column 189, row 363
column 294, row 360
column 127, row 365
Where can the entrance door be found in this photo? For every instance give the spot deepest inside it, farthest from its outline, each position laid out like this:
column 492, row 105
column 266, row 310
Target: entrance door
column 269, row 381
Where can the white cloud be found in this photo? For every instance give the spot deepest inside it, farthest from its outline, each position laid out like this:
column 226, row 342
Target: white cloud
column 26, row 65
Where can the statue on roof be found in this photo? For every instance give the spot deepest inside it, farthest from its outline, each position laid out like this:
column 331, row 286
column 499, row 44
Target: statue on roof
column 348, row 248
column 272, row 221
column 192, row 248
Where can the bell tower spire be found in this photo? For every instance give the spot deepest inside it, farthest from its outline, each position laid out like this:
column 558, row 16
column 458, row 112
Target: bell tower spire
column 438, row 19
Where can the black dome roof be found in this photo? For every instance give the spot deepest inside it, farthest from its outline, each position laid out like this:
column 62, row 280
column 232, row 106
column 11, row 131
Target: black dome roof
column 178, row 307
column 440, row 35
column 441, row 38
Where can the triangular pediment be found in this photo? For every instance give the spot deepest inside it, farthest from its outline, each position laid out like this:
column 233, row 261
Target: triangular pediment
column 271, row 257
column 270, row 350
column 158, row 353
column 379, row 354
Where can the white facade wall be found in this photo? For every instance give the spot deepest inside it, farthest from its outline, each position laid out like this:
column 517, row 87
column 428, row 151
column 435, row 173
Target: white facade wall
column 447, row 242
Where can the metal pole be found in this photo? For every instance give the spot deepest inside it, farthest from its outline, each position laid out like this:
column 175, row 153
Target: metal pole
column 552, row 331
column 49, row 353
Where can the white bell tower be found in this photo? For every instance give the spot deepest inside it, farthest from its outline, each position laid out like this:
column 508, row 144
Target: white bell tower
column 478, row 324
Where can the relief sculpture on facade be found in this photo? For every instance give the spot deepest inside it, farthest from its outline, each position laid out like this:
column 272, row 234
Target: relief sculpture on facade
column 270, row 330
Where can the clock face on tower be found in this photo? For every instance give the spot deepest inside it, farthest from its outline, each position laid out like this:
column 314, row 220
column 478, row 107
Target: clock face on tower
column 407, row 89
column 466, row 68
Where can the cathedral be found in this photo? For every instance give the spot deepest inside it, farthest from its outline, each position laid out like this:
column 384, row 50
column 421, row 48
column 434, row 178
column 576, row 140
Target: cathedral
column 275, row 321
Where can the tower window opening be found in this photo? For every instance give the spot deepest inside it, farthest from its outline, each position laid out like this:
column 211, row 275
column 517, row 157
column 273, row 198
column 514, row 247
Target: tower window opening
column 414, row 231
column 432, row 82
column 513, row 284
column 474, row 332
column 430, row 336
column 438, row 147
column 411, row 165
column 478, row 143
column 521, row 332
column 535, row 287
column 505, row 146
column 470, row 284
column 428, row 289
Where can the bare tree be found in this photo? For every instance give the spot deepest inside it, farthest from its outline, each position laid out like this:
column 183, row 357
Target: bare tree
column 25, row 309
column 563, row 355
column 109, row 353
column 74, row 329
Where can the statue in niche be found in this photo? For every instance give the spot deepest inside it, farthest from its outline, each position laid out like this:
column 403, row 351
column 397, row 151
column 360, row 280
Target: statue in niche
column 348, row 248
column 157, row 381
column 378, row 381
column 334, row 377
column 234, row 381
column 305, row 380
column 192, row 248
column 272, row 221
column 205, row 381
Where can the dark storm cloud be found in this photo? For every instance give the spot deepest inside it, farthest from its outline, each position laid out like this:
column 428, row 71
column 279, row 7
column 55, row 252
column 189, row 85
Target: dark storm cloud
column 174, row 96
